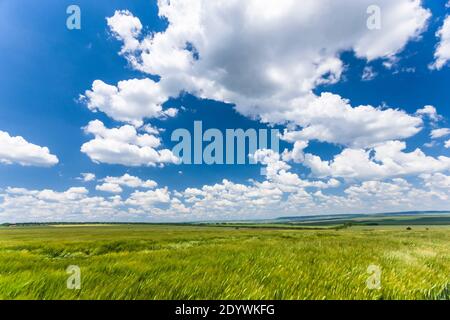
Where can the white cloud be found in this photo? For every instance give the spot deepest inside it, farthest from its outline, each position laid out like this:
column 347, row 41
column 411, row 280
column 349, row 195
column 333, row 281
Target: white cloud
column 151, row 129
column 46, row 194
column 437, row 181
column 74, row 204
column 109, row 187
column 149, row 198
column 330, row 118
column 447, row 144
column 125, row 27
column 269, row 198
column 255, row 198
column 231, row 200
column 87, row 177
column 276, row 172
column 226, row 197
column 130, row 101
column 442, row 53
column 124, row 145
column 297, row 153
column 269, row 67
column 266, row 57
column 430, row 112
column 383, row 161
column 439, row 133
column 18, row 150
column 130, row 181
column 375, row 191
column 169, row 113
column 398, row 194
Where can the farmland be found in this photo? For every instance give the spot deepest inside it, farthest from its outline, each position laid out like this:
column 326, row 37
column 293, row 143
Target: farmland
column 218, row 262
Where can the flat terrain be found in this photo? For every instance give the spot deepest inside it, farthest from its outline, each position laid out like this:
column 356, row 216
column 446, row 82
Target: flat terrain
column 201, row 262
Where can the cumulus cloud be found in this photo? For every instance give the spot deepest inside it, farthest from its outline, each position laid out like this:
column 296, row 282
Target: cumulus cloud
column 228, row 196
column 109, row 187
column 149, row 198
column 430, row 112
column 269, row 67
column 130, row 101
column 297, row 153
column 87, row 177
column 277, row 173
column 18, row 150
column 73, row 204
column 227, row 199
column 383, row 161
column 126, row 28
column 439, row 133
column 231, row 200
column 124, row 145
column 267, row 58
column 447, row 144
column 437, row 181
column 131, row 181
column 329, row 118
column 442, row 53
column 114, row 184
column 394, row 194
column 256, row 197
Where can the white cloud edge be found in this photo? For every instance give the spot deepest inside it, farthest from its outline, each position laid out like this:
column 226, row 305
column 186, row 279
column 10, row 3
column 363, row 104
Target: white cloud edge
column 17, row 150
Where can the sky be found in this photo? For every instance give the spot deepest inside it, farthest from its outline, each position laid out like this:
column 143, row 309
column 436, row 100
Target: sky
column 358, row 91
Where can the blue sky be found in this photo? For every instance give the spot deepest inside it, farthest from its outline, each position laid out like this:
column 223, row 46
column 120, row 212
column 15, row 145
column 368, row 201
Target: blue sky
column 45, row 68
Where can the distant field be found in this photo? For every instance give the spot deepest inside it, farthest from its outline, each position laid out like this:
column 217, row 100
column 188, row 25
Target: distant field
column 199, row 262
column 387, row 220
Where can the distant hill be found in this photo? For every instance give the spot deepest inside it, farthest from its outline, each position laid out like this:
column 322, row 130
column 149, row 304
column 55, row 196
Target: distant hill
column 341, row 216
column 388, row 218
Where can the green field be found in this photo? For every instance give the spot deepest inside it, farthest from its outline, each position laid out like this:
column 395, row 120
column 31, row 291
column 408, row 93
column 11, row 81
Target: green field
column 201, row 262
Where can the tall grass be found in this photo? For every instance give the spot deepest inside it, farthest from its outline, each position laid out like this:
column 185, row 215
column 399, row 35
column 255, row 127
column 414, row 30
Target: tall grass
column 171, row 262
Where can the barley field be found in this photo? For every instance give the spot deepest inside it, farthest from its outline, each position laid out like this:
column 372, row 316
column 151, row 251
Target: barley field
column 200, row 262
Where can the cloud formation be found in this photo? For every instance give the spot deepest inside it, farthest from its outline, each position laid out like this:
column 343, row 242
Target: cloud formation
column 439, row 133
column 114, row 184
column 226, row 200
column 87, row 177
column 264, row 57
column 329, row 118
column 442, row 53
column 125, row 146
column 267, row 58
column 130, row 101
column 18, row 150
column 380, row 162
column 429, row 112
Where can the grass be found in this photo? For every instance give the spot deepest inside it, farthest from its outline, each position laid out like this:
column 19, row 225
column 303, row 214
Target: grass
column 198, row 262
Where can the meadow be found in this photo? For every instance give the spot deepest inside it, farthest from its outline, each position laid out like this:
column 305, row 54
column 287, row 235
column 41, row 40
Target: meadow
column 206, row 262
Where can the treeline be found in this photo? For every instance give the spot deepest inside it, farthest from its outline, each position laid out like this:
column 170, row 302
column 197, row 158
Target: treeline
column 36, row 224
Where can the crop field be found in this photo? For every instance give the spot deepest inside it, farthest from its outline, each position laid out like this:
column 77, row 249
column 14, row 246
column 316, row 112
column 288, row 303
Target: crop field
column 206, row 262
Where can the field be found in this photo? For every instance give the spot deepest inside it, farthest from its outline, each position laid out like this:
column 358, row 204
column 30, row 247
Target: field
column 211, row 262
